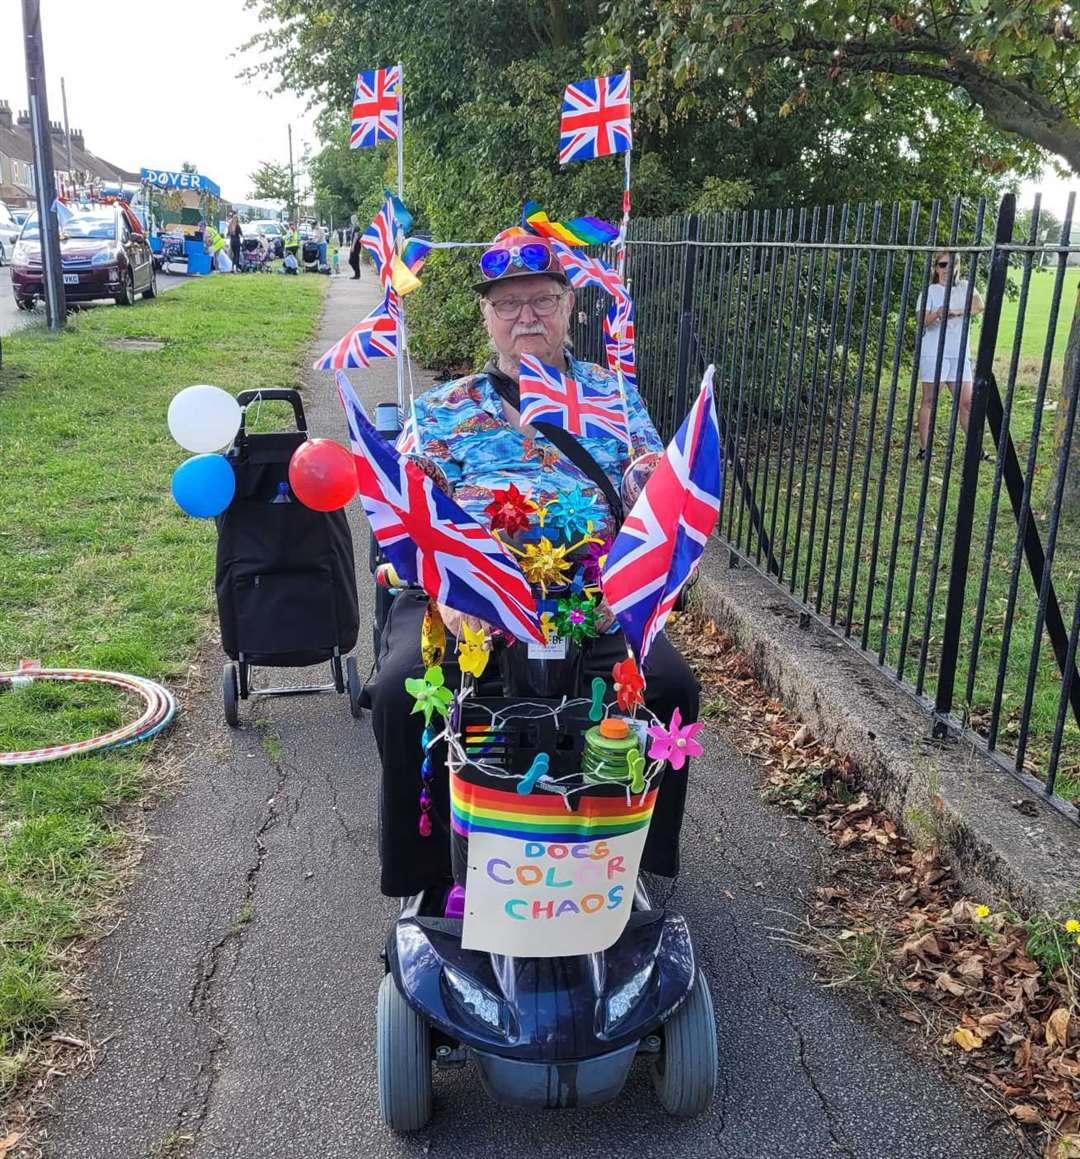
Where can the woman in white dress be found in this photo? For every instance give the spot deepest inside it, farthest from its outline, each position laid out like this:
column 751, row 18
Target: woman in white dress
column 954, row 366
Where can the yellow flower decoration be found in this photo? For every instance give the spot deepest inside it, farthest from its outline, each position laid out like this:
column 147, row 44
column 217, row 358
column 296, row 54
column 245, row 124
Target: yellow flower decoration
column 982, row 911
column 1072, row 926
column 473, row 652
column 544, row 564
column 548, row 625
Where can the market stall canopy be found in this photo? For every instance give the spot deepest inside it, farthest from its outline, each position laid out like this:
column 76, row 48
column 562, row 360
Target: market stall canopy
column 174, row 179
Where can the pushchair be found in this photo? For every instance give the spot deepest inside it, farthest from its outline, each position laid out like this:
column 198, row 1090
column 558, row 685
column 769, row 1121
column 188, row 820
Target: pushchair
column 542, row 1030
column 309, row 255
column 254, row 255
column 285, row 579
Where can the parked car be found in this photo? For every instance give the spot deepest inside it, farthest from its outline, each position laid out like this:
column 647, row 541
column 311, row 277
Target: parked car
column 103, row 253
column 272, row 231
column 20, row 216
column 9, row 231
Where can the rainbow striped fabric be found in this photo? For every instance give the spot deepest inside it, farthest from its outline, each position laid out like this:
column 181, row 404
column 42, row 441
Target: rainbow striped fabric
column 578, row 231
column 543, row 816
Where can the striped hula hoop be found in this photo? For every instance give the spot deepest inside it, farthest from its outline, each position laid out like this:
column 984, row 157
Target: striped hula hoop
column 158, row 712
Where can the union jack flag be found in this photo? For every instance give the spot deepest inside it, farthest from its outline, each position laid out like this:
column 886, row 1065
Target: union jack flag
column 579, row 408
column 429, row 539
column 619, row 341
column 583, row 270
column 595, row 118
column 376, row 110
column 378, row 240
column 374, row 337
column 660, row 544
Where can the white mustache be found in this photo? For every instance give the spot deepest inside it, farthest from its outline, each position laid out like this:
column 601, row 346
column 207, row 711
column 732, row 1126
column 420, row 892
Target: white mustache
column 524, row 328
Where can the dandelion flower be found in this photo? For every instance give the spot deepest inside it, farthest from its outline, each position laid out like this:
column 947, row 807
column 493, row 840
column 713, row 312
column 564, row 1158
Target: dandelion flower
column 1072, row 926
column 982, row 911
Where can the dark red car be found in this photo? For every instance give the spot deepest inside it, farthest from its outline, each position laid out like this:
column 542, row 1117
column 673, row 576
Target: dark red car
column 104, row 255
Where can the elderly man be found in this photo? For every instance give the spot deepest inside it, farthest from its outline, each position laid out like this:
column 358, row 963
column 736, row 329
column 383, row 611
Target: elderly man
column 472, row 430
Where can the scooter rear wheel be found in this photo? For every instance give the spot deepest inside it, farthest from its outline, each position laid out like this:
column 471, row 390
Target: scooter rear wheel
column 685, row 1072
column 403, row 1048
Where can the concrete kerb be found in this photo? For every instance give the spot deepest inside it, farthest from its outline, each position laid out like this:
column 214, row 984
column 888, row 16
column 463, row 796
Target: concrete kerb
column 946, row 792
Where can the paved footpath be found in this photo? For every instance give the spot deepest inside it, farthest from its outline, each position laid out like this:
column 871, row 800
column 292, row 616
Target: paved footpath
column 237, row 998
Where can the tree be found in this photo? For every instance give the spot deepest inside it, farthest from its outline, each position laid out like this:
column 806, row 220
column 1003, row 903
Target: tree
column 481, row 135
column 271, row 182
column 189, row 167
column 1019, row 63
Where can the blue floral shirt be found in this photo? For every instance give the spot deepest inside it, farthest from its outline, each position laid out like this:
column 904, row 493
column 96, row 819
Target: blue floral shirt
column 461, row 426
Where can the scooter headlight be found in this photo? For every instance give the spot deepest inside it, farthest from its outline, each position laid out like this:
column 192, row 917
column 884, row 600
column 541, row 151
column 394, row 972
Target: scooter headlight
column 475, row 1000
column 624, row 998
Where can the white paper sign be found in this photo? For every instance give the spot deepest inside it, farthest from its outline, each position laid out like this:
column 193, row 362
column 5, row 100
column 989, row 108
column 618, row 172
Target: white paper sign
column 554, row 649
column 533, row 899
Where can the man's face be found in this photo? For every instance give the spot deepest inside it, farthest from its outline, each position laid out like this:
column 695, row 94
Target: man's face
column 539, row 311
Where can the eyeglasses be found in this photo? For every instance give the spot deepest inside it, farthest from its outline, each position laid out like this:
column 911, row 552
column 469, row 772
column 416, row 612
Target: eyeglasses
column 943, row 265
column 531, row 256
column 542, row 306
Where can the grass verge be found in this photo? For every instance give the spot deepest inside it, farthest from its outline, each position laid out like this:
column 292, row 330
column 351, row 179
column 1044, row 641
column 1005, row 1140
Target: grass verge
column 99, row 569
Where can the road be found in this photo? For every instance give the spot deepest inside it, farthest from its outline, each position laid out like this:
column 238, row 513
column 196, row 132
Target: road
column 11, row 317
column 236, row 999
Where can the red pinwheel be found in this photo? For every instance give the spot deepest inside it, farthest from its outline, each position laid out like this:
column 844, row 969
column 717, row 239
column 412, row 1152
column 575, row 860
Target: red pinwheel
column 509, row 510
column 628, row 684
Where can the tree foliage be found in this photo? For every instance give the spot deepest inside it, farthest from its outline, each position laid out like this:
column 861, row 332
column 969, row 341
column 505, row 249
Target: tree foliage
column 483, row 83
column 270, row 182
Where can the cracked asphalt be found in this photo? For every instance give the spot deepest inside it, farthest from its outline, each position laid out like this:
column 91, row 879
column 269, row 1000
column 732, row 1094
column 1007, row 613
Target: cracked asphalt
column 236, row 1000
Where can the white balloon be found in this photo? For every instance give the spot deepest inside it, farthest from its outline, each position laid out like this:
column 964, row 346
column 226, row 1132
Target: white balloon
column 203, row 418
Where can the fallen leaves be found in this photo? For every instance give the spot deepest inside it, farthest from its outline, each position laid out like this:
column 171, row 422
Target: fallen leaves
column 8, row 1142
column 976, row 982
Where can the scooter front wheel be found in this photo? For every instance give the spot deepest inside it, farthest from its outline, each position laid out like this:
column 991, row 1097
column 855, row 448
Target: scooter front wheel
column 684, row 1074
column 403, row 1048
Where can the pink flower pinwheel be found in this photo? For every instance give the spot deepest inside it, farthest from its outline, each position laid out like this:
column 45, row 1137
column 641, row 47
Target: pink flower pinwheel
column 675, row 742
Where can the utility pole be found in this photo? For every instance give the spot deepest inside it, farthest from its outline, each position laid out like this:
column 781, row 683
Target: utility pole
column 44, row 179
column 292, row 181
column 67, row 132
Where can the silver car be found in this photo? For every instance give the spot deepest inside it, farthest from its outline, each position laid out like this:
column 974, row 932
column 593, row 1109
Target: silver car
column 9, row 231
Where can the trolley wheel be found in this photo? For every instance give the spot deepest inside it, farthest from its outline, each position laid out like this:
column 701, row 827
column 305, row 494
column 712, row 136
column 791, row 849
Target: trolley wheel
column 684, row 1075
column 230, row 694
column 352, row 681
column 403, row 1047
column 339, row 676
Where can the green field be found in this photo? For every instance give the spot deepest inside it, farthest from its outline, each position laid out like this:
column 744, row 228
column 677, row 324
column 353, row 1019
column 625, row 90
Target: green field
column 99, row 569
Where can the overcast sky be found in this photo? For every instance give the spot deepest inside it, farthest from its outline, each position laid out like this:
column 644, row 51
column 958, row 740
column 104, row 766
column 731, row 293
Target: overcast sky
column 152, row 83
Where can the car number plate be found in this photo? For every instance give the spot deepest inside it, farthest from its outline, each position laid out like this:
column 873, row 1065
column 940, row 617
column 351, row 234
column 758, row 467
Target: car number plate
column 71, row 279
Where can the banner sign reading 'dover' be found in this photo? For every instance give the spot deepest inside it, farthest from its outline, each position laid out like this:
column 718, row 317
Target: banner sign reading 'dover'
column 173, row 179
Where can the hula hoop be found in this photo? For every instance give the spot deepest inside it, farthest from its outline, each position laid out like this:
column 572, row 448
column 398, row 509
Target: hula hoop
column 158, row 712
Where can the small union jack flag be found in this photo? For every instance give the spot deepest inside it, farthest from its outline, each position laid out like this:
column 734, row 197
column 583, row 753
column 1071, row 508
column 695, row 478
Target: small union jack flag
column 579, row 408
column 376, row 110
column 595, row 118
column 660, row 544
column 583, row 270
column 429, row 539
column 374, row 337
column 619, row 340
column 378, row 240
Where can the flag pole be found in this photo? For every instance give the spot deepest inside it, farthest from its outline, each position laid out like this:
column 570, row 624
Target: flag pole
column 620, row 261
column 397, row 245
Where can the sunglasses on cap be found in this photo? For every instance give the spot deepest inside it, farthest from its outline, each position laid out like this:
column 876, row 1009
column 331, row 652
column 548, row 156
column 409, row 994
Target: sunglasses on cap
column 532, row 256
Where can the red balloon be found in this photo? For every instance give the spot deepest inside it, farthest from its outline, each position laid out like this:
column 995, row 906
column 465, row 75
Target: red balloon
column 322, row 475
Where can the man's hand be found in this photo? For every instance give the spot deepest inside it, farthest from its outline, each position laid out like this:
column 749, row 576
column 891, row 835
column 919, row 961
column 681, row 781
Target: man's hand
column 453, row 619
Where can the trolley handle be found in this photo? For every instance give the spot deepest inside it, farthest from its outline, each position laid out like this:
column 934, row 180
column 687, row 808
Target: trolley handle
column 277, row 394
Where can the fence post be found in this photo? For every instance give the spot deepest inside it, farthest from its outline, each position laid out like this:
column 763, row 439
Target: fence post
column 969, row 480
column 686, row 319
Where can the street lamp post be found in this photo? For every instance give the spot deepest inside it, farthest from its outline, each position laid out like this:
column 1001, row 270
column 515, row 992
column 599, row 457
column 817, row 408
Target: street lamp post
column 44, row 179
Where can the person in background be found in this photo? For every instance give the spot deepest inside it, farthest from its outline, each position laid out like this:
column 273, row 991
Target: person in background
column 954, row 367
column 236, row 235
column 354, row 253
column 213, row 244
column 292, row 241
column 319, row 238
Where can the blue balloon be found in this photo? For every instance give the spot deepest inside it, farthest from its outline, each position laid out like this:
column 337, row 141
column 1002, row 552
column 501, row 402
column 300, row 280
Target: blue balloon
column 204, row 486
